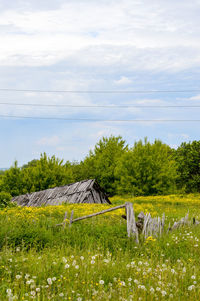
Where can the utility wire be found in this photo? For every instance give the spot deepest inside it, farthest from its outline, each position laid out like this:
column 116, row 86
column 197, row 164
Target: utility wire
column 100, row 120
column 99, row 91
column 98, row 106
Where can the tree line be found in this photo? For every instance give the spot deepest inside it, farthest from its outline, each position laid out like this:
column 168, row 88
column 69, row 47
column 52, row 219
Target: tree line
column 143, row 169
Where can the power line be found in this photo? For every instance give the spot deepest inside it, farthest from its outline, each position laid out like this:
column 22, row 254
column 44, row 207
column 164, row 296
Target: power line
column 100, row 91
column 98, row 106
column 100, row 120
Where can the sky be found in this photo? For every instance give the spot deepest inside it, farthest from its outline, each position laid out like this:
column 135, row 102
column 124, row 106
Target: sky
column 90, row 45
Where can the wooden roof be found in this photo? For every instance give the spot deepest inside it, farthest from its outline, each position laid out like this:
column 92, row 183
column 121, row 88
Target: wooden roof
column 87, row 191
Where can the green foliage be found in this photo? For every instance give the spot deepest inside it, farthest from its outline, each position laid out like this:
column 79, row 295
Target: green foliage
column 5, row 198
column 144, row 169
column 188, row 158
column 36, row 175
column 102, row 162
column 147, row 169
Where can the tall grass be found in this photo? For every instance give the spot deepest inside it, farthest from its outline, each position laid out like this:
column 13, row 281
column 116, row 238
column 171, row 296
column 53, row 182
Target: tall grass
column 94, row 259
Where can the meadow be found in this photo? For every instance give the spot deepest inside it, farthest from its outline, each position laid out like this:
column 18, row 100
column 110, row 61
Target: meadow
column 93, row 259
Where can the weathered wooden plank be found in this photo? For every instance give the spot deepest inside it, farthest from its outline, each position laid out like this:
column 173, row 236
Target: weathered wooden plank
column 95, row 214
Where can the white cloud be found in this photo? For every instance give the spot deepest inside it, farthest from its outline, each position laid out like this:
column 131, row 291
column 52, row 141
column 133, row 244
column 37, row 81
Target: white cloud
column 196, row 97
column 151, row 36
column 123, row 81
column 49, row 141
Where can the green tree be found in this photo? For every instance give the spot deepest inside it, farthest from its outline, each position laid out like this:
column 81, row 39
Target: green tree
column 11, row 180
column 102, row 162
column 147, row 169
column 188, row 159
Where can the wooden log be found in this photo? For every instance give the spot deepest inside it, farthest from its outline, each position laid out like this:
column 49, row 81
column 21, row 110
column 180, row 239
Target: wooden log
column 95, row 214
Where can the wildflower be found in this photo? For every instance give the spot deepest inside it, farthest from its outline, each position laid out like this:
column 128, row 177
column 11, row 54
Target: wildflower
column 193, row 277
column 76, row 267
column 37, row 289
column 9, row 292
column 92, row 262
column 32, row 293
column 54, row 279
column 79, row 299
column 129, row 279
column 49, row 281
column 82, row 258
column 164, row 293
column 67, row 266
column 101, row 282
column 18, row 277
column 173, row 271
column 191, row 287
column 61, row 295
column 64, row 259
column 152, row 290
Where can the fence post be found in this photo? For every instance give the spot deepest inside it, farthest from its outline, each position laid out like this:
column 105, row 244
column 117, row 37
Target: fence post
column 131, row 224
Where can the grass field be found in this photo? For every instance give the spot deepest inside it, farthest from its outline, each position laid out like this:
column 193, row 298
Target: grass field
column 94, row 259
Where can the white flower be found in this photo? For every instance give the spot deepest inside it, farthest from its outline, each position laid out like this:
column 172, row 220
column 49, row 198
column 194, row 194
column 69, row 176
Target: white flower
column 77, row 267
column 67, row 266
column 158, row 289
column 101, row 282
column 54, row 278
column 136, row 281
column 142, row 287
column 139, row 262
column 184, row 270
column 92, row 262
column 9, row 291
column 82, row 258
column 152, row 290
column 61, row 295
column 191, row 287
column 193, row 277
column 129, row 279
column 173, row 271
column 32, row 293
column 49, row 281
column 64, row 259
column 79, row 299
column 164, row 293
column 18, row 277
column 37, row 289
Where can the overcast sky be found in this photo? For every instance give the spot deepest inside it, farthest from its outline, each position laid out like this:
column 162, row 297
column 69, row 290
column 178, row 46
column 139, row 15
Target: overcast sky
column 93, row 45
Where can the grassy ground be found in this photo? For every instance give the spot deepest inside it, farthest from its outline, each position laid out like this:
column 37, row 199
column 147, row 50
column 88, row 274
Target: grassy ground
column 94, row 259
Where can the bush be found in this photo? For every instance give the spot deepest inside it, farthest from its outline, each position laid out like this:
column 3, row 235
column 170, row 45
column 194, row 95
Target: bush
column 5, row 198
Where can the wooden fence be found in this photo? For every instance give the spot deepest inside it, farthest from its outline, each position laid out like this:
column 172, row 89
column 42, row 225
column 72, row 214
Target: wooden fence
column 146, row 225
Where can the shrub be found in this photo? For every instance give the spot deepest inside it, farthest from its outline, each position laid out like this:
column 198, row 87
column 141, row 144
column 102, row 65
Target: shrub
column 5, row 198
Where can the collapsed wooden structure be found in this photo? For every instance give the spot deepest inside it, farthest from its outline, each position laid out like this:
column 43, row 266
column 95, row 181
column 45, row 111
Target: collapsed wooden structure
column 87, row 191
